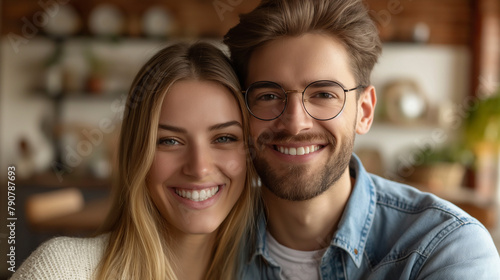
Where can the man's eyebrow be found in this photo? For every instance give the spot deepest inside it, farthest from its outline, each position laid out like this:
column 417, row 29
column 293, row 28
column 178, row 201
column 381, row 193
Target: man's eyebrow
column 211, row 128
column 324, row 84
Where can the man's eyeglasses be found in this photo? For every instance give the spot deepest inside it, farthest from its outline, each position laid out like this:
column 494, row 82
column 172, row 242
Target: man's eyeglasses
column 323, row 100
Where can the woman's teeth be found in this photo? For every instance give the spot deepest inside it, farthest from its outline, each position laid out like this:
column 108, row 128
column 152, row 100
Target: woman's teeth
column 299, row 151
column 197, row 195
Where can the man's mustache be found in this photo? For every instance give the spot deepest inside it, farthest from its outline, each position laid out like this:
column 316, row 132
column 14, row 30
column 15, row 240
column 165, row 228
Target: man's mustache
column 282, row 137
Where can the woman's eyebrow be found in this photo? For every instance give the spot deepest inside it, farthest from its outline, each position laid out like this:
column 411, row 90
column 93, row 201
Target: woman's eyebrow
column 211, row 128
column 224, row 125
column 172, row 128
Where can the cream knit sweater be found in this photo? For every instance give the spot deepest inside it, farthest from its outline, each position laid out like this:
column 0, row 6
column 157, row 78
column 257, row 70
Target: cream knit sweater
column 63, row 258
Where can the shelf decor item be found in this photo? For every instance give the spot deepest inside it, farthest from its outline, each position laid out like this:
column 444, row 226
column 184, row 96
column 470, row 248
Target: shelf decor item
column 439, row 169
column 405, row 103
column 53, row 82
column 96, row 72
column 64, row 22
column 106, row 20
column 157, row 22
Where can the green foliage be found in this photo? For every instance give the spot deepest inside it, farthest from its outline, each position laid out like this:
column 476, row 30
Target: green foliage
column 483, row 122
column 450, row 153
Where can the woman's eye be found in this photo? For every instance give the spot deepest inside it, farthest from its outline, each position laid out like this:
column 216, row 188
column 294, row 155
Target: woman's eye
column 168, row 142
column 226, row 139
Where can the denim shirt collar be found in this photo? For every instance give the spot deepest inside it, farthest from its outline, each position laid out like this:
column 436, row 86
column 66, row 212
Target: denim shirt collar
column 261, row 240
column 354, row 225
column 357, row 219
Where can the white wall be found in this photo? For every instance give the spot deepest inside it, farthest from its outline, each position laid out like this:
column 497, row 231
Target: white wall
column 442, row 72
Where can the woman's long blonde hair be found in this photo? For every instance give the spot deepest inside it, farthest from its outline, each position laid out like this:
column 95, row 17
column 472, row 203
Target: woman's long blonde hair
column 139, row 242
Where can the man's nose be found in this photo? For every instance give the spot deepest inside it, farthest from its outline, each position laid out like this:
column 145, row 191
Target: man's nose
column 295, row 119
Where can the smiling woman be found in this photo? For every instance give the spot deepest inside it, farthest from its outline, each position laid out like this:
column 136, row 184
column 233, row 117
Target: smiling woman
column 199, row 169
column 183, row 198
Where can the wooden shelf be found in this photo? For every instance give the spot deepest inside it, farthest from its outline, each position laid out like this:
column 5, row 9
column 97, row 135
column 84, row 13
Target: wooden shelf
column 88, row 219
column 50, row 180
column 81, row 95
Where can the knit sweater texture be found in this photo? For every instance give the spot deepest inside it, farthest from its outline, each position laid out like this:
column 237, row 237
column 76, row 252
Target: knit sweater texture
column 64, row 258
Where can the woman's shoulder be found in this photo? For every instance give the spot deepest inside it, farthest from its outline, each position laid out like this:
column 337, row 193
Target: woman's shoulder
column 64, row 258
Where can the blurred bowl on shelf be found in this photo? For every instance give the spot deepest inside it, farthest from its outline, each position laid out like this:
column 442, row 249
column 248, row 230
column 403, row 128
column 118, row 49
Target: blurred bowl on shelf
column 157, row 22
column 106, row 20
column 65, row 22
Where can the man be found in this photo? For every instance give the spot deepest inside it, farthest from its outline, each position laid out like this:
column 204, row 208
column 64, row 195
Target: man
column 306, row 66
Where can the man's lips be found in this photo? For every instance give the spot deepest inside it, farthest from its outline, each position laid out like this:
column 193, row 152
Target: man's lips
column 294, row 145
column 297, row 150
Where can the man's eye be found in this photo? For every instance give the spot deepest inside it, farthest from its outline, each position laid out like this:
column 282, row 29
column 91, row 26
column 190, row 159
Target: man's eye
column 268, row 96
column 325, row 95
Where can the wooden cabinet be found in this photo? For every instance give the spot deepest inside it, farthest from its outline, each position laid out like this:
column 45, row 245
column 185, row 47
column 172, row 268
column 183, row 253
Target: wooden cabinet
column 207, row 18
column 448, row 21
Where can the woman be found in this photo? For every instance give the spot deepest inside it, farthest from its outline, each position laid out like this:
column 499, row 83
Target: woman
column 183, row 200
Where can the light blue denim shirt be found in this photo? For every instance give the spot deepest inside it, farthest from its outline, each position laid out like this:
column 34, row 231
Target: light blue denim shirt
column 393, row 231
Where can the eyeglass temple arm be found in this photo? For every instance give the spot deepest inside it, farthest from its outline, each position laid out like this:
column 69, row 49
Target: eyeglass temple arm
column 358, row 87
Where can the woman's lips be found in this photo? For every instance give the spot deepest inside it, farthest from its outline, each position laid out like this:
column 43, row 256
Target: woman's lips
column 198, row 197
column 197, row 194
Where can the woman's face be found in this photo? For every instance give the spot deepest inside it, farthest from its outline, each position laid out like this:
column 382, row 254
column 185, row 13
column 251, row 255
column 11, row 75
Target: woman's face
column 199, row 169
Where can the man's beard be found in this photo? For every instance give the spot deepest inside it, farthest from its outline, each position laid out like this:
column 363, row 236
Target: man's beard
column 299, row 182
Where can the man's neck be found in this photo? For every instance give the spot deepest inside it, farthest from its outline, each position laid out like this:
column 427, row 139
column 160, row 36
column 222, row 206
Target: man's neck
column 307, row 225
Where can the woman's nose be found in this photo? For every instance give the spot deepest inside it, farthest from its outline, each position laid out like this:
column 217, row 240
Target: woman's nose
column 199, row 163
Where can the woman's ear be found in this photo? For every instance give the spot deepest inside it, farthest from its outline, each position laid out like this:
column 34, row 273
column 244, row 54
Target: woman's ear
column 366, row 110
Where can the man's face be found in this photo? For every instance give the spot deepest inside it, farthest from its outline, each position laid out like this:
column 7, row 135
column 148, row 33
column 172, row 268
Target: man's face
column 322, row 148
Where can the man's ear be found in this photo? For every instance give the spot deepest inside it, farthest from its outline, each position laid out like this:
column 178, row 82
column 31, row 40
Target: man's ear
column 366, row 110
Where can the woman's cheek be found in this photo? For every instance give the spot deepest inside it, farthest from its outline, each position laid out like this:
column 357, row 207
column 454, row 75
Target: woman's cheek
column 233, row 162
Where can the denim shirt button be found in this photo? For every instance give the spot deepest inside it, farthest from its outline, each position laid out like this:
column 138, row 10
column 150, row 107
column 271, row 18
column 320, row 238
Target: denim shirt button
column 355, row 251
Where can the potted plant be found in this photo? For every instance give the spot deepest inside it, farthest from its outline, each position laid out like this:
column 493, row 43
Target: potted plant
column 482, row 136
column 439, row 169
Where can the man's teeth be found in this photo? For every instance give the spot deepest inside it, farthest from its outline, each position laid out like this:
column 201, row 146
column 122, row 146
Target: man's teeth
column 197, row 195
column 299, row 151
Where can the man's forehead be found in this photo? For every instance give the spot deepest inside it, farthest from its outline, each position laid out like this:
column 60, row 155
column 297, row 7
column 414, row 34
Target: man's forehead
column 299, row 60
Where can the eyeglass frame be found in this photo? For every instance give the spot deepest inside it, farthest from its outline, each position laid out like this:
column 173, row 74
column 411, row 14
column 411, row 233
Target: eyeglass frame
column 286, row 92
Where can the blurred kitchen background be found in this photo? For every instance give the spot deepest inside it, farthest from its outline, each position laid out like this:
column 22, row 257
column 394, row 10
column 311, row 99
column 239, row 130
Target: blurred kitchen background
column 66, row 67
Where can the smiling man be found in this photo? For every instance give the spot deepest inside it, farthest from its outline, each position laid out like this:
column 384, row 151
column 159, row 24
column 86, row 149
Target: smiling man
column 306, row 68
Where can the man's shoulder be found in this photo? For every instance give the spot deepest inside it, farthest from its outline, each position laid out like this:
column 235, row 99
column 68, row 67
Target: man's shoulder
column 403, row 198
column 422, row 231
column 63, row 257
column 409, row 221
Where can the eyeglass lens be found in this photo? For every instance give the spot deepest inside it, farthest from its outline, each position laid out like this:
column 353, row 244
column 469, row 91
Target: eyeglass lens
column 322, row 100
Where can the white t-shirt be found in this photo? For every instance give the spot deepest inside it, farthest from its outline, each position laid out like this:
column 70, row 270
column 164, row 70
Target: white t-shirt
column 295, row 265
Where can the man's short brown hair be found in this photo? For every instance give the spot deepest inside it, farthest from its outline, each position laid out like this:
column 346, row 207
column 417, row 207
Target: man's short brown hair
column 346, row 20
